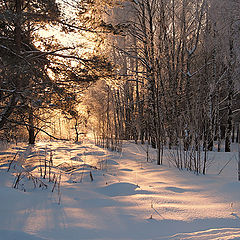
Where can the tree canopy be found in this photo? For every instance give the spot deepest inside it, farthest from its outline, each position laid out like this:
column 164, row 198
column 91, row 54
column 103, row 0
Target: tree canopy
column 40, row 67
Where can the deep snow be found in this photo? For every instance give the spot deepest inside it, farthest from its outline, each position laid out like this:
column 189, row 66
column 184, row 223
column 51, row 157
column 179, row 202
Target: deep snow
column 128, row 198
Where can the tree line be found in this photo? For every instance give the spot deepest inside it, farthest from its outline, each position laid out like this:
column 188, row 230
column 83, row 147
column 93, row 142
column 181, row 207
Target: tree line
column 175, row 80
column 177, row 64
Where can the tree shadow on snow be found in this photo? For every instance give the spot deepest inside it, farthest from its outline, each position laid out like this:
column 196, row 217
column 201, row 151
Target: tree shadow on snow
column 122, row 189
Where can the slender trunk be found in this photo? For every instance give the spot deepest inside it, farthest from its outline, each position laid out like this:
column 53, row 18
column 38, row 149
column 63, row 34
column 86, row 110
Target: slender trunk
column 230, row 96
column 238, row 135
column 31, row 129
column 233, row 133
column 76, row 130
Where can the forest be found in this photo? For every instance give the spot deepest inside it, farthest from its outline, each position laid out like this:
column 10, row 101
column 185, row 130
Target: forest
column 164, row 73
column 160, row 76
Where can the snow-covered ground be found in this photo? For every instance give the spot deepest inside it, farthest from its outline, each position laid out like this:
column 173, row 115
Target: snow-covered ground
column 128, row 198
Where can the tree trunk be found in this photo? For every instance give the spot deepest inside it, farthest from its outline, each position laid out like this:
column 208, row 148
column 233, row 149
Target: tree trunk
column 230, row 95
column 76, row 130
column 31, row 130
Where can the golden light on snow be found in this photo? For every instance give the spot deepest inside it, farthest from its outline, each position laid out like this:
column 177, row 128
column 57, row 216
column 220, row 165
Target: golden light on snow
column 126, row 193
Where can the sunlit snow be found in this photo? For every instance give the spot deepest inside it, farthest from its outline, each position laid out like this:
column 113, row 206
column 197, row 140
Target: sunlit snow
column 111, row 195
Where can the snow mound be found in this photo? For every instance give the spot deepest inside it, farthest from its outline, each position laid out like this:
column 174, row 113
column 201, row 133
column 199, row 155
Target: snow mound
column 13, row 235
column 98, row 153
column 211, row 234
column 76, row 158
column 126, row 170
column 121, row 189
column 179, row 190
column 108, row 162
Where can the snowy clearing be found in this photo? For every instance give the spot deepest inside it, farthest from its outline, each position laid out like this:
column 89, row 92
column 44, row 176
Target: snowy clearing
column 110, row 195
